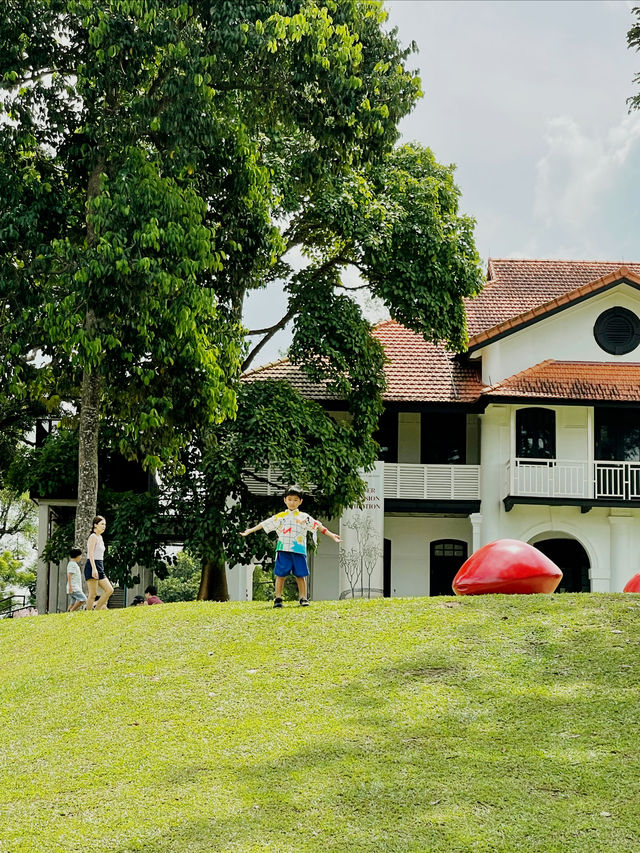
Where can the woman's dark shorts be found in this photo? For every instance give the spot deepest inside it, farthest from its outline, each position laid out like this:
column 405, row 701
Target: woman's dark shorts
column 88, row 571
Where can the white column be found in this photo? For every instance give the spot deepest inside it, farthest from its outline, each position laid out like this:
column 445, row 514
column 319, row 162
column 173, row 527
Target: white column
column 42, row 571
column 362, row 534
column 476, row 525
column 621, row 554
column 496, row 439
column 240, row 582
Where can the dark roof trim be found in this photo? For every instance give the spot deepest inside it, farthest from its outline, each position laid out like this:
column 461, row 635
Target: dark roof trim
column 446, row 507
column 585, row 504
column 558, row 401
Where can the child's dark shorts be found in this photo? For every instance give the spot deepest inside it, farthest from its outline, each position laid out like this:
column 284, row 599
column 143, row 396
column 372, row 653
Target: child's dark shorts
column 88, row 570
column 290, row 563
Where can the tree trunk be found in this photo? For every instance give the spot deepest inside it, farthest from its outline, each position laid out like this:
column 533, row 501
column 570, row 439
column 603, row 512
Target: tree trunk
column 89, row 409
column 87, row 456
column 213, row 584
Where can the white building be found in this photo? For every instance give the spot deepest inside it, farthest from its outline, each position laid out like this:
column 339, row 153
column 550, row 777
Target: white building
column 532, row 434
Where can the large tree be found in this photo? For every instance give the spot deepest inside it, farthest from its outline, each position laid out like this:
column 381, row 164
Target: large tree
column 160, row 161
column 141, row 165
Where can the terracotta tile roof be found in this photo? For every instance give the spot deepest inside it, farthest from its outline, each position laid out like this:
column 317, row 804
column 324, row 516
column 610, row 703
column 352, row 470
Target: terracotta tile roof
column 417, row 371
column 291, row 373
column 518, row 290
column 420, row 371
column 572, row 380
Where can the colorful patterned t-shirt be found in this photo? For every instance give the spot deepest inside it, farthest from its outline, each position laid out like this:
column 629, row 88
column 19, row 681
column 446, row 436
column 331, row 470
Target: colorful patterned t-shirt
column 292, row 527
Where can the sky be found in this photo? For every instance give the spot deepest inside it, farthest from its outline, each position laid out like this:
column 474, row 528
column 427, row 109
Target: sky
column 529, row 101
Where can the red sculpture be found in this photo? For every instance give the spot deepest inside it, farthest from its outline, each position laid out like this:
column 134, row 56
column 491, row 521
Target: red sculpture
column 507, row 566
column 633, row 585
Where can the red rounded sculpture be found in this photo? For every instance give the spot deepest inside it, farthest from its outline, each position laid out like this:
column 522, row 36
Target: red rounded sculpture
column 633, row 585
column 507, row 566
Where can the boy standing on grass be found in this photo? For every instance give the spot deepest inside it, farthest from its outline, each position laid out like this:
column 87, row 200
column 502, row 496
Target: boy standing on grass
column 292, row 527
column 74, row 580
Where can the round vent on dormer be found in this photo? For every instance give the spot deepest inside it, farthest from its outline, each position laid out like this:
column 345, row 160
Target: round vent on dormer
column 617, row 331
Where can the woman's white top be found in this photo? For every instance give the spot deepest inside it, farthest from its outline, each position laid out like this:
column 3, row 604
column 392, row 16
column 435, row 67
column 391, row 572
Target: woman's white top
column 98, row 552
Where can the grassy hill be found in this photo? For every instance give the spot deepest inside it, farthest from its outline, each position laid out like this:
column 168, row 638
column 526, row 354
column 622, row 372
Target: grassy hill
column 498, row 723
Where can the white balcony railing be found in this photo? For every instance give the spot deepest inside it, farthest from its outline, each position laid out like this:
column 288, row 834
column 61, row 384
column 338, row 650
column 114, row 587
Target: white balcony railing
column 269, row 481
column 562, row 478
column 402, row 481
column 407, row 481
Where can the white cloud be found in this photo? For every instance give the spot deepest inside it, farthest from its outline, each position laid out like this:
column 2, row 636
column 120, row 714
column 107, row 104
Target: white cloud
column 579, row 168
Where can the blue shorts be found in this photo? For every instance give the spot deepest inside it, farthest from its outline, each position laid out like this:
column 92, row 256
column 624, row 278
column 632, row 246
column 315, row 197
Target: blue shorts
column 290, row 563
column 88, row 571
column 78, row 596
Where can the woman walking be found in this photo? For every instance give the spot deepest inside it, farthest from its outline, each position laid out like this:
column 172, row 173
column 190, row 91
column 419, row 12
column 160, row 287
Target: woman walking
column 94, row 567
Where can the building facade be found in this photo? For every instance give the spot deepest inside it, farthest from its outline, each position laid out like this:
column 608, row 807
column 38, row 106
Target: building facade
column 532, row 434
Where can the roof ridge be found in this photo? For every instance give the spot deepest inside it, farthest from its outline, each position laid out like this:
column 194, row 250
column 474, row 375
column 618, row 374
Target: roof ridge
column 260, row 367
column 562, row 261
column 557, row 302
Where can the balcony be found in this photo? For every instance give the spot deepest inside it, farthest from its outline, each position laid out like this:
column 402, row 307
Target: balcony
column 423, row 486
column 571, row 481
column 409, row 482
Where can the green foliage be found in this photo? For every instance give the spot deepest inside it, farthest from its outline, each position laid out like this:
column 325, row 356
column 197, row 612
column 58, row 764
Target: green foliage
column 161, row 160
column 274, row 424
column 132, row 536
column 13, row 574
column 489, row 723
column 633, row 41
column 60, row 541
column 17, row 518
column 264, row 586
column 50, row 470
column 182, row 580
column 18, row 537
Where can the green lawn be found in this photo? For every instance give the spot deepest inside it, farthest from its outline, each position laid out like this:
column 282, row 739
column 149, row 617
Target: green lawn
column 497, row 723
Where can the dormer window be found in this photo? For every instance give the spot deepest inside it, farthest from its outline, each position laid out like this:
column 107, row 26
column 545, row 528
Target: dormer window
column 617, row 331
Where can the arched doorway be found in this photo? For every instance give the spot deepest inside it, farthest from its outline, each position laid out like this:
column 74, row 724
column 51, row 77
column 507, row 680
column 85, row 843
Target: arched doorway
column 446, row 557
column 571, row 557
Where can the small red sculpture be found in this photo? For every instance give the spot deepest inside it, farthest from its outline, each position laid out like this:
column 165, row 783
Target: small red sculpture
column 507, row 566
column 633, row 585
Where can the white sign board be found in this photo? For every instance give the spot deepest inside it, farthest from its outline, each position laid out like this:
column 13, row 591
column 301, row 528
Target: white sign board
column 362, row 534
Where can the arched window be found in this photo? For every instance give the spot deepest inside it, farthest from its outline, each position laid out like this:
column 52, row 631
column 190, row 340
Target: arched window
column 536, row 433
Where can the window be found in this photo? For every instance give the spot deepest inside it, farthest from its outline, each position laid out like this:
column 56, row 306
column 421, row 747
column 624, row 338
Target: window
column 449, row 548
column 387, row 437
column 536, row 433
column 444, row 438
column 617, row 434
column 617, row 331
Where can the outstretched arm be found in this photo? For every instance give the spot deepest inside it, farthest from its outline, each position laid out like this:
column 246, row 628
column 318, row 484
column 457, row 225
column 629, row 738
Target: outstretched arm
column 331, row 535
column 251, row 529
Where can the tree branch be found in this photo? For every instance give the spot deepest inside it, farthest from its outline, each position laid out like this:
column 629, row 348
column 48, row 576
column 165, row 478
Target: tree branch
column 246, row 472
column 269, row 333
column 359, row 287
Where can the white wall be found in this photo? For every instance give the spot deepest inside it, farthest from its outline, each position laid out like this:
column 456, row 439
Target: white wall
column 410, row 538
column 409, row 436
column 565, row 336
column 240, row 582
column 610, row 535
column 323, row 565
